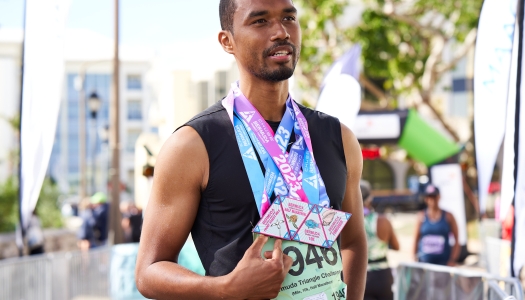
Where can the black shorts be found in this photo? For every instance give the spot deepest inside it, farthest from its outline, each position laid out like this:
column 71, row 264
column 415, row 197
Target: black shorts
column 379, row 285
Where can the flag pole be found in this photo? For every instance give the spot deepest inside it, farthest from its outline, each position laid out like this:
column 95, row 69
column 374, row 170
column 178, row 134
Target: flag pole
column 520, row 20
column 21, row 232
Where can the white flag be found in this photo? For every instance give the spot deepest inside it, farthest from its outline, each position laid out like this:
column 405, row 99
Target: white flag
column 340, row 91
column 491, row 83
column 42, row 85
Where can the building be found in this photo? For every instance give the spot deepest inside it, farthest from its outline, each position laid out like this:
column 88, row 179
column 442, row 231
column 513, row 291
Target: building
column 10, row 62
column 135, row 100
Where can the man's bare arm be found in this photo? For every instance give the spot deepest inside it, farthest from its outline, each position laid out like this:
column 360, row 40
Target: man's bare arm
column 181, row 173
column 353, row 237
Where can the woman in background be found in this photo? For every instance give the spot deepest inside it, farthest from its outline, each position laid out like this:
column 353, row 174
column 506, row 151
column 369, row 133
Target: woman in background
column 433, row 229
column 380, row 236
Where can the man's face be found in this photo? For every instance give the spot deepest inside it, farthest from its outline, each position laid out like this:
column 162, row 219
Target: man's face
column 267, row 38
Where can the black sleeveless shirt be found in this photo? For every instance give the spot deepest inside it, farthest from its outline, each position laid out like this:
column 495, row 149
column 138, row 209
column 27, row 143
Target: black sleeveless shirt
column 227, row 211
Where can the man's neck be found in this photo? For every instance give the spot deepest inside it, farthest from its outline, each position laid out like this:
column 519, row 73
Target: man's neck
column 268, row 97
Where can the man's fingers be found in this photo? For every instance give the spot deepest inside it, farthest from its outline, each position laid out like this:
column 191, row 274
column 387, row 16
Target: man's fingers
column 277, row 250
column 258, row 244
column 268, row 254
column 287, row 262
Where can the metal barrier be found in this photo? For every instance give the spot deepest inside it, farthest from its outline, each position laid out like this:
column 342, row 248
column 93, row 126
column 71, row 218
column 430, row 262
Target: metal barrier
column 497, row 256
column 488, row 229
column 56, row 276
column 101, row 273
column 495, row 292
column 426, row 281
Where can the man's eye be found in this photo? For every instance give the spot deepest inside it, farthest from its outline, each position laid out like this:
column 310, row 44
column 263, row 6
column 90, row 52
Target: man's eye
column 290, row 18
column 260, row 21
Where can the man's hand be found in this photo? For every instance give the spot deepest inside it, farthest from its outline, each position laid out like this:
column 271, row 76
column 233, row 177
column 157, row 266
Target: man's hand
column 258, row 278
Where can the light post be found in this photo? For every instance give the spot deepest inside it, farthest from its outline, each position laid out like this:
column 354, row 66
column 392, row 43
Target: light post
column 94, row 104
column 80, row 87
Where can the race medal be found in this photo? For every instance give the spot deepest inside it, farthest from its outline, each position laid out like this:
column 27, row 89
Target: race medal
column 315, row 273
column 295, row 213
column 291, row 219
column 273, row 222
column 311, row 231
column 332, row 221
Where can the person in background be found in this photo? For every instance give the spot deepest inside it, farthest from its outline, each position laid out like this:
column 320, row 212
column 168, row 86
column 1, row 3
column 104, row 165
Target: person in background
column 380, row 236
column 433, row 229
column 131, row 222
column 35, row 235
column 94, row 230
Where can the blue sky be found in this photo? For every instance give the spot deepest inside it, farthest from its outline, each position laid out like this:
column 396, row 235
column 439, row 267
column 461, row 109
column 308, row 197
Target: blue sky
column 143, row 22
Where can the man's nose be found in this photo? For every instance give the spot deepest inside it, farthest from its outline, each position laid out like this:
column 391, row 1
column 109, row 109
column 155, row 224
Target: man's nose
column 280, row 32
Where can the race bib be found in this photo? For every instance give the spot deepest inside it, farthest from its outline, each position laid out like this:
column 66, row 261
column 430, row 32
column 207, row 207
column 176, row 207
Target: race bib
column 315, row 273
column 432, row 244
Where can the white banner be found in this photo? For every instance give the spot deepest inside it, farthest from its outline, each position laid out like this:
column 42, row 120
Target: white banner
column 491, row 83
column 340, row 91
column 42, row 85
column 449, row 180
column 384, row 126
column 507, row 172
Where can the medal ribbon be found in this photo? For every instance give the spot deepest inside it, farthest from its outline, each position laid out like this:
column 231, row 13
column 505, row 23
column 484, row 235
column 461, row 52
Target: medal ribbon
column 279, row 165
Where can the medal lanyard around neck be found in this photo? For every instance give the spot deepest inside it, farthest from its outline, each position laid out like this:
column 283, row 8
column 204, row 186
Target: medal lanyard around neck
column 250, row 126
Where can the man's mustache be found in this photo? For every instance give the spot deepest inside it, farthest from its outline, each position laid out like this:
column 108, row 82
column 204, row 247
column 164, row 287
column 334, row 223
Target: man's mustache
column 279, row 44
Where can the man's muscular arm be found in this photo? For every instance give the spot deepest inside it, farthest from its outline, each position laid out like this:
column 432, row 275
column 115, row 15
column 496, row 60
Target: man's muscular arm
column 181, row 173
column 353, row 237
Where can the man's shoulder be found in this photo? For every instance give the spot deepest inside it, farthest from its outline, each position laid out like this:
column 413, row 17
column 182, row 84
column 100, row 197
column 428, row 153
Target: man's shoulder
column 312, row 114
column 213, row 115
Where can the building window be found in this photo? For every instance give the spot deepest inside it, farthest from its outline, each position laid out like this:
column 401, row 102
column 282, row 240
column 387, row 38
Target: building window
column 134, row 82
column 458, row 106
column 221, row 84
column 133, row 135
column 134, row 110
column 202, row 90
column 462, row 85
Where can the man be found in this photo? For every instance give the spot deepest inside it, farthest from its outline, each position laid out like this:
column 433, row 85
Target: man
column 202, row 184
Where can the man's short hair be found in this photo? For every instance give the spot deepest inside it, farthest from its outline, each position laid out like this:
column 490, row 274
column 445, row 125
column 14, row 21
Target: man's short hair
column 226, row 10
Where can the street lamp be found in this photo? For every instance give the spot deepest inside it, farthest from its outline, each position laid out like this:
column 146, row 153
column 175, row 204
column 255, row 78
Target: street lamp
column 94, row 104
column 79, row 84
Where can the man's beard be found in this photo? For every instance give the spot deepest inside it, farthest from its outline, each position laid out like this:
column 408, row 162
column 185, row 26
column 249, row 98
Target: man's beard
column 282, row 73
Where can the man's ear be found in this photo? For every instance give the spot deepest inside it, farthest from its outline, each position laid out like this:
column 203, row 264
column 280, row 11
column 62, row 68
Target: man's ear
column 226, row 41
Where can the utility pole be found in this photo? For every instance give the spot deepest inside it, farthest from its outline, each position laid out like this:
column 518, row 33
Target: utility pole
column 115, row 233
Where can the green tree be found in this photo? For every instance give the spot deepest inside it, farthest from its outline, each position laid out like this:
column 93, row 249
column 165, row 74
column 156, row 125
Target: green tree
column 47, row 206
column 8, row 205
column 404, row 43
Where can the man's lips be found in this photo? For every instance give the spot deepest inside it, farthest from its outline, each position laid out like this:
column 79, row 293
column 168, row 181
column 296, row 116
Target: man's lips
column 281, row 54
column 281, row 51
